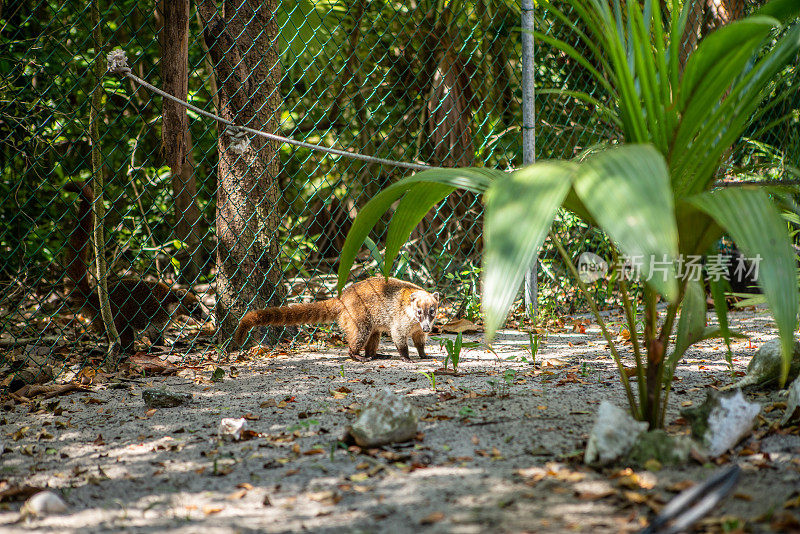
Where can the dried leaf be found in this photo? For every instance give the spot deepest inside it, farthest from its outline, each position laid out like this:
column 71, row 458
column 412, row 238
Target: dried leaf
column 460, row 326
column 793, row 502
column 236, row 495
column 433, row 517
column 596, row 495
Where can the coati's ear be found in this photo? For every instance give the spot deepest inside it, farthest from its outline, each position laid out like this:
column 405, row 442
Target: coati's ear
column 436, row 296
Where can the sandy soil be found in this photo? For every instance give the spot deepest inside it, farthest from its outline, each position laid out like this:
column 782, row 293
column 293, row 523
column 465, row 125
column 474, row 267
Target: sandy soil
column 499, row 449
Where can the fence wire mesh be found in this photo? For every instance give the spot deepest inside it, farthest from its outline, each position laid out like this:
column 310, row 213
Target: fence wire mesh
column 429, row 82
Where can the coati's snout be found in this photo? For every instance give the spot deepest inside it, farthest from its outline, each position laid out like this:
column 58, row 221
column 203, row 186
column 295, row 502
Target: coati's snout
column 426, row 305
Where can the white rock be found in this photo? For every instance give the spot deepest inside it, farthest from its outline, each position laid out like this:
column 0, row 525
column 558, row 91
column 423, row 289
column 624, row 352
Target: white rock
column 387, row 418
column 764, row 369
column 792, row 403
column 43, row 503
column 728, row 422
column 613, row 434
column 231, row 428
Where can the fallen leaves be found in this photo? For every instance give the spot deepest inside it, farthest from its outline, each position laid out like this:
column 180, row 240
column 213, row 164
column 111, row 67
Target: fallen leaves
column 340, row 392
column 629, row 479
column 28, row 392
column 433, row 517
column 327, row 497
column 11, row 492
column 141, row 364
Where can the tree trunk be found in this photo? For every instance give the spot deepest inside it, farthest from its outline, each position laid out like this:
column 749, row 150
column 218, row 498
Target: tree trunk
column 175, row 137
column 707, row 16
column 242, row 41
column 449, row 132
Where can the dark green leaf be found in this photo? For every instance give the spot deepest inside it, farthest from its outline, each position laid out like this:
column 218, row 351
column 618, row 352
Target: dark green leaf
column 757, row 228
column 628, row 193
column 519, row 211
column 471, row 179
column 692, row 321
column 412, row 208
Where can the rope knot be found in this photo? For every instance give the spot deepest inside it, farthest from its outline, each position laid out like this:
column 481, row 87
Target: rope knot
column 239, row 140
column 118, row 62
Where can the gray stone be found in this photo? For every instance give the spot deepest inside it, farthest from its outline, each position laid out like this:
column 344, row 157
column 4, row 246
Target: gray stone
column 162, row 398
column 764, row 369
column 792, row 413
column 613, row 434
column 658, row 445
column 231, row 428
column 43, row 503
column 387, row 418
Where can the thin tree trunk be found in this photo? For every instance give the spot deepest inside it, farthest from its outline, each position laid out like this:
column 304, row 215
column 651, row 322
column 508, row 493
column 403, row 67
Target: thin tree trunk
column 175, row 137
column 705, row 17
column 98, row 184
column 242, row 41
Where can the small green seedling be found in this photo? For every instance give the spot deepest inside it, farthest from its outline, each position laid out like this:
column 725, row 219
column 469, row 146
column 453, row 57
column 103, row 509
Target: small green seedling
column 453, row 349
column 303, row 424
column 498, row 388
column 431, row 378
column 465, row 412
column 533, row 346
column 509, row 376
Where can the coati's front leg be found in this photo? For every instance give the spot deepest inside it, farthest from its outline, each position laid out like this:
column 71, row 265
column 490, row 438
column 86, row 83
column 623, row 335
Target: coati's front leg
column 418, row 337
column 400, row 339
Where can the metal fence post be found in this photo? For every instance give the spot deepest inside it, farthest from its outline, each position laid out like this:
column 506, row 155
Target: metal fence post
column 528, row 134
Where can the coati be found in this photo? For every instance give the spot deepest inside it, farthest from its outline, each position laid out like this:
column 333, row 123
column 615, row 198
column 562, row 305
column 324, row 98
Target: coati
column 136, row 304
column 363, row 311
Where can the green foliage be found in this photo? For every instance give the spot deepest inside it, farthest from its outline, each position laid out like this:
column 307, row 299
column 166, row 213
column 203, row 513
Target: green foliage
column 431, row 376
column 653, row 196
column 465, row 412
column 467, row 279
column 302, row 424
column 533, row 346
column 453, row 349
column 353, row 75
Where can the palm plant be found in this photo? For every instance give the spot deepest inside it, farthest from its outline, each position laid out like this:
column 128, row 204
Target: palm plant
column 653, row 197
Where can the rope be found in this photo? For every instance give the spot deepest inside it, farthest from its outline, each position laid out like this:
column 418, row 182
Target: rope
column 118, row 64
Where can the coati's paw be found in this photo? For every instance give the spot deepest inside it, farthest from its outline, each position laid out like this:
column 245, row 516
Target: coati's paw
column 359, row 358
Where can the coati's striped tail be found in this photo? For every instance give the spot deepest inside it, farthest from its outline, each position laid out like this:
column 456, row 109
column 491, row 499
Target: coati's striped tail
column 325, row 311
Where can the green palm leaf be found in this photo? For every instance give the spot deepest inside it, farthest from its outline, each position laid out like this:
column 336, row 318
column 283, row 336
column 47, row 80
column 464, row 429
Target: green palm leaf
column 756, row 226
column 471, row 179
column 638, row 214
column 692, row 322
column 519, row 211
column 412, row 208
column 783, row 10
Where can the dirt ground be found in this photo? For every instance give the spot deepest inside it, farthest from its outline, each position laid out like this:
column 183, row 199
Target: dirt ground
column 499, row 447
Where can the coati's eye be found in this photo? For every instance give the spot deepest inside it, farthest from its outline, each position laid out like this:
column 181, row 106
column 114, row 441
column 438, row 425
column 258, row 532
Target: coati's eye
column 432, row 312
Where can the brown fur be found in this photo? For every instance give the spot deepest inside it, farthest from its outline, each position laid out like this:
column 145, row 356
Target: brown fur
column 135, row 304
column 363, row 311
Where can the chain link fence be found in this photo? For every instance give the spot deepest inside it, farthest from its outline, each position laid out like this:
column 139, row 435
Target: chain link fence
column 436, row 83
